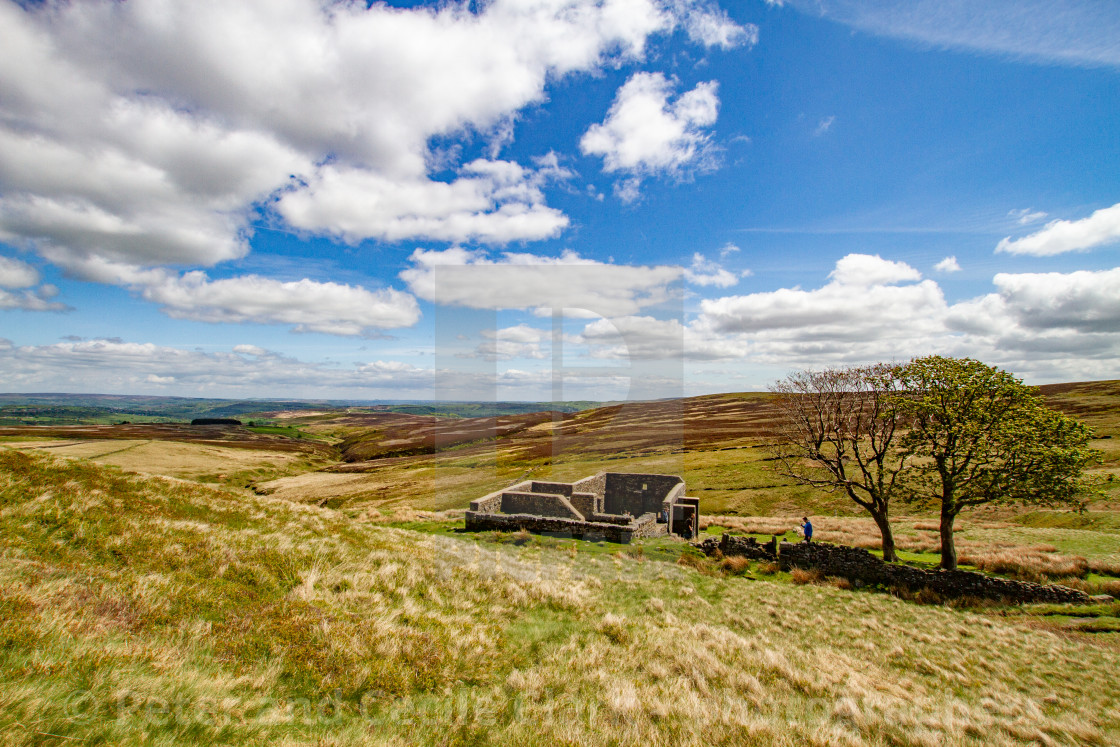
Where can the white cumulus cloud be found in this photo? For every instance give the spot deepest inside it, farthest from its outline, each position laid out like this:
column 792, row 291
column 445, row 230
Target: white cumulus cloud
column 949, row 264
column 332, row 308
column 1061, row 236
column 706, row 272
column 871, row 308
column 149, row 134
column 146, row 132
column 644, row 133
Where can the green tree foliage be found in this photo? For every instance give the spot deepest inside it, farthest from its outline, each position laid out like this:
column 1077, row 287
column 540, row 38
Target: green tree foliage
column 979, row 435
column 838, row 431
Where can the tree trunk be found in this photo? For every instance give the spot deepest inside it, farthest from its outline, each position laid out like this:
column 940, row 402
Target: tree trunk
column 948, row 545
column 884, row 525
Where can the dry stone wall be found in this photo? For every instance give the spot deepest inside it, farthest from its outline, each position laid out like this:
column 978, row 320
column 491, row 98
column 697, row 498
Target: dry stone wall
column 637, row 494
column 586, row 503
column 559, row 488
column 541, row 504
column 566, row 528
column 862, row 568
column 596, row 485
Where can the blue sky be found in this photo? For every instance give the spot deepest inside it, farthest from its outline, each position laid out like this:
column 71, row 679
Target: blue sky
column 286, row 198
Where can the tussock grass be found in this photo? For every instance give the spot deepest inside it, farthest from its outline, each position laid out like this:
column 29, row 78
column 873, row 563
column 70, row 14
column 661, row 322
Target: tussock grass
column 735, row 565
column 1028, row 563
column 139, row 610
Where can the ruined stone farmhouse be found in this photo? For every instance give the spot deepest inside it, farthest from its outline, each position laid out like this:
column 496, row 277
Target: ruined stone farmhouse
column 611, row 506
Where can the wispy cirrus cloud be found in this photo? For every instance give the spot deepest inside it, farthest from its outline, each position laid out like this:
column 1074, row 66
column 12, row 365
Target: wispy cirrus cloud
column 1083, row 33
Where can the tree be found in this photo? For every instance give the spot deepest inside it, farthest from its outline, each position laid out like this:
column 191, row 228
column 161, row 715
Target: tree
column 979, row 435
column 838, row 431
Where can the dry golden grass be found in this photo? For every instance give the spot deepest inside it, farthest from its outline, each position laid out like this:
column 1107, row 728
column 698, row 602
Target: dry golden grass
column 1029, row 563
column 1105, row 567
column 207, row 462
column 136, row 611
column 802, row 576
column 736, row 565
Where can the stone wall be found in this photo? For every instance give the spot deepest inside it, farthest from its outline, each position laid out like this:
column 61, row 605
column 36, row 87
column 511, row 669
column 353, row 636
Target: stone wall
column 560, row 488
column 555, row 527
column 596, row 485
column 675, row 494
column 647, row 525
column 581, row 509
column 748, row 547
column 540, row 504
column 492, row 503
column 862, row 568
column 637, row 494
column 488, row 505
column 610, row 518
column 587, row 503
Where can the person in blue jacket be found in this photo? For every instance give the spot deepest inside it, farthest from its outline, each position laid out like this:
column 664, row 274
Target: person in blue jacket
column 807, row 528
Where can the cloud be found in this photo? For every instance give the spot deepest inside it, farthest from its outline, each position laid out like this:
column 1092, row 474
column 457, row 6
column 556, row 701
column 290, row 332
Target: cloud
column 648, row 338
column 460, row 277
column 728, row 249
column 1052, row 326
column 1060, row 236
column 1026, row 215
column 17, row 274
column 871, row 308
column 1083, row 34
column 38, row 299
column 308, row 305
column 706, row 272
column 16, row 291
column 824, row 126
column 1047, row 326
column 153, row 134
column 949, row 264
column 868, row 269
column 645, row 134
column 715, row 29
column 491, row 201
column 331, row 308
column 1083, row 301
column 120, row 366
column 107, row 366
column 521, row 341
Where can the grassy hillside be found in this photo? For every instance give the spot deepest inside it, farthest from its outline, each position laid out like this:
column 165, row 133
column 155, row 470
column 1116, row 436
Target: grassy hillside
column 147, row 610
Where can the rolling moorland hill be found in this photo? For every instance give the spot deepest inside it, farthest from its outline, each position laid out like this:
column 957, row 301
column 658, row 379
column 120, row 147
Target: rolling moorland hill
column 361, row 458
column 147, row 610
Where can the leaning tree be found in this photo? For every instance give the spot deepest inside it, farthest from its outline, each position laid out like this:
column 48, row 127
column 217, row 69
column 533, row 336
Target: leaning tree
column 978, row 435
column 838, row 430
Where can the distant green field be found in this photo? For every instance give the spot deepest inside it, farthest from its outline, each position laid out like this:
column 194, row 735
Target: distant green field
column 99, row 409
